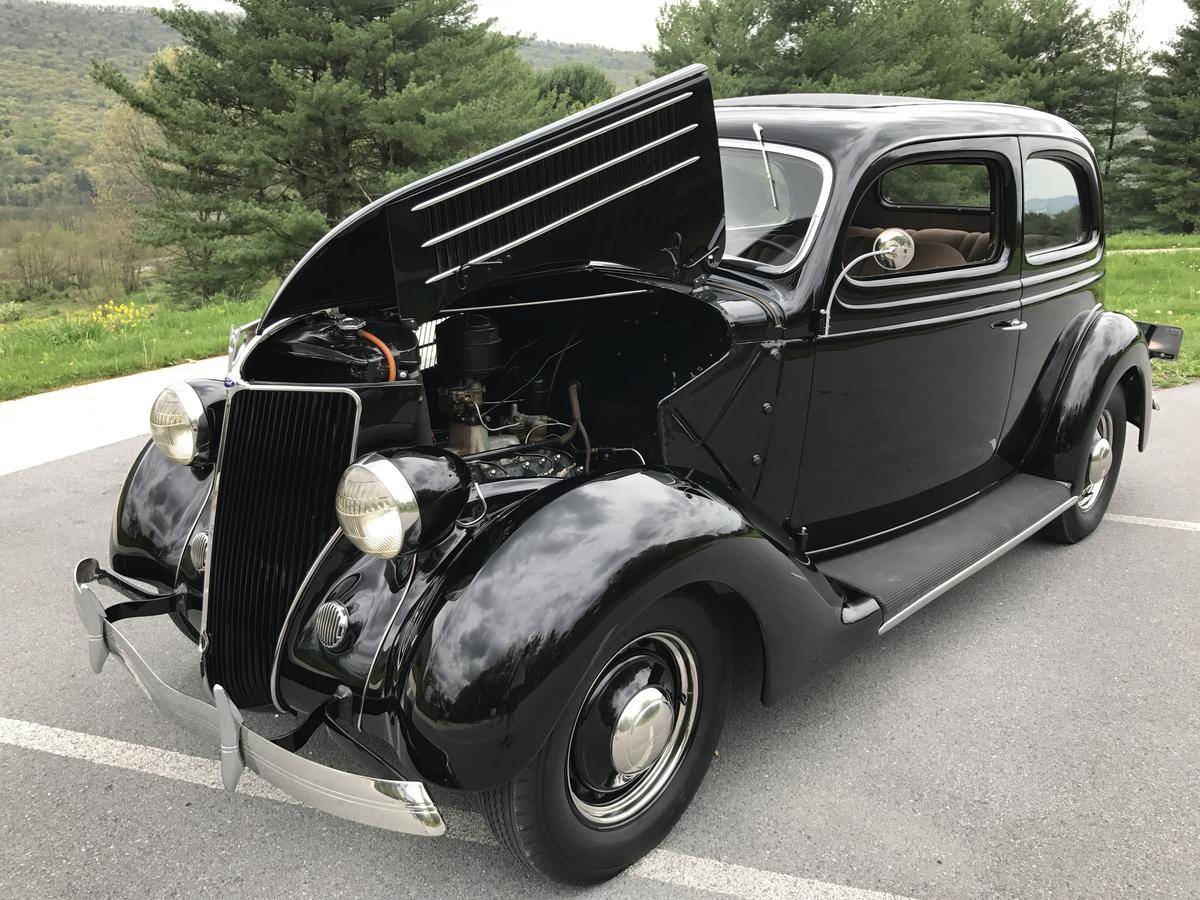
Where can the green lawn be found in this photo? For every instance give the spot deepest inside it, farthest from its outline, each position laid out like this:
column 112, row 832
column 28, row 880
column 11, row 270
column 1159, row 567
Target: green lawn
column 41, row 354
column 1149, row 240
column 1164, row 288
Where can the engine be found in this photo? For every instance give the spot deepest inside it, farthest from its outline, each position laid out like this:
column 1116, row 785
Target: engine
column 516, row 438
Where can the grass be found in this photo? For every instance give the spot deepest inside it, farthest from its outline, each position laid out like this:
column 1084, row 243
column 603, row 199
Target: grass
column 130, row 335
column 1162, row 288
column 1150, row 240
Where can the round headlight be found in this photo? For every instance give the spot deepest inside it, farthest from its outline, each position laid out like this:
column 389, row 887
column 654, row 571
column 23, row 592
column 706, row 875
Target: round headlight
column 376, row 506
column 177, row 423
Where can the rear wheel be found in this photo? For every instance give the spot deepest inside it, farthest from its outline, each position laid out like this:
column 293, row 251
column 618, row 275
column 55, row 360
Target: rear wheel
column 621, row 767
column 1099, row 467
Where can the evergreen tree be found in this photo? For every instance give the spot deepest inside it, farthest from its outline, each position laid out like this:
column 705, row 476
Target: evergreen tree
column 1171, row 172
column 278, row 122
column 574, row 85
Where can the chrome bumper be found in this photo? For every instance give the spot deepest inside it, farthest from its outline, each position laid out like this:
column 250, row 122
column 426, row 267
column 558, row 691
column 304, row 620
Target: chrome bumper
column 402, row 806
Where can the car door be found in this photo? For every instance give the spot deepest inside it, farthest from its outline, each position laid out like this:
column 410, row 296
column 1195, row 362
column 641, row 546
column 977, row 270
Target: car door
column 911, row 384
column 1062, row 264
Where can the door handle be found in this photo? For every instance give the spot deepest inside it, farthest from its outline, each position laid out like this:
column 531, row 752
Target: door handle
column 1011, row 325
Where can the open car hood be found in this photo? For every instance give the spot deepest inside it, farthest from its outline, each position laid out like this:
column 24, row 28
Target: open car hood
column 633, row 182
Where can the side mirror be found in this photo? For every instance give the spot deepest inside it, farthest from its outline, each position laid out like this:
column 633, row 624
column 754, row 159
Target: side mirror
column 894, row 249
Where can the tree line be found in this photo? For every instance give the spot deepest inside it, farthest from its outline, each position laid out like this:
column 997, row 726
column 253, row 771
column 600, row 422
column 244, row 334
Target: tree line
column 234, row 151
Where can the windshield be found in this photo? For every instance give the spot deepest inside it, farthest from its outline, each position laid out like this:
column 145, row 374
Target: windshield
column 771, row 221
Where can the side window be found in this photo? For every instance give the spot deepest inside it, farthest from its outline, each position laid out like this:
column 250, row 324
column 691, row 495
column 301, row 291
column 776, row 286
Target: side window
column 1054, row 213
column 950, row 208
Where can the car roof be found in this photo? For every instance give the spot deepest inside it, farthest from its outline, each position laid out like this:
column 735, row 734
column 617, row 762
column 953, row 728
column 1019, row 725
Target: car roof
column 868, row 124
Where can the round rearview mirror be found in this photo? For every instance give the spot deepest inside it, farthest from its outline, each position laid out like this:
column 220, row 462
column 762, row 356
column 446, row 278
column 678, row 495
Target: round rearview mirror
column 894, row 248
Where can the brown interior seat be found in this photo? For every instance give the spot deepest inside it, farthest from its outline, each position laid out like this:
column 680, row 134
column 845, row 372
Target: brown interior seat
column 965, row 247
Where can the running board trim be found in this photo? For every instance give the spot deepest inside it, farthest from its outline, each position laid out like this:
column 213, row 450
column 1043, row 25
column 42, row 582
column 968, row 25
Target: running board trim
column 974, row 567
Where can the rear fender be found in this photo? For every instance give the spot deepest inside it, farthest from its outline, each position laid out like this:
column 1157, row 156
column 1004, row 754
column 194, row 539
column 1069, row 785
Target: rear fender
column 1111, row 352
column 489, row 662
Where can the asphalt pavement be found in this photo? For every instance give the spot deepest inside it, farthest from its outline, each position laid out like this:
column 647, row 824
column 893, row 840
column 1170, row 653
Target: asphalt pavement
column 1033, row 733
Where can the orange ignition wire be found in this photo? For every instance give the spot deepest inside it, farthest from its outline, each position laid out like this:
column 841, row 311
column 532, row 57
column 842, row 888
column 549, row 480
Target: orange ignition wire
column 383, row 348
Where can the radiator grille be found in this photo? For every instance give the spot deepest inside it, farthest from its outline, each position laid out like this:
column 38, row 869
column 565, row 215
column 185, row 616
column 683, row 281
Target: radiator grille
column 283, row 453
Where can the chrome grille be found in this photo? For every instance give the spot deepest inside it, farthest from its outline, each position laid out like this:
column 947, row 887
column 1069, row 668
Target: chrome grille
column 282, row 454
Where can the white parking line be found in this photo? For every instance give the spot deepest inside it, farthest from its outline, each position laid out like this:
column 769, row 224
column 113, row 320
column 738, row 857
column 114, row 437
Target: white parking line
column 666, row 866
column 1155, row 523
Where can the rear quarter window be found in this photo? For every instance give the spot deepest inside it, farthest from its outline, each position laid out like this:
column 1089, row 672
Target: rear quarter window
column 1055, row 215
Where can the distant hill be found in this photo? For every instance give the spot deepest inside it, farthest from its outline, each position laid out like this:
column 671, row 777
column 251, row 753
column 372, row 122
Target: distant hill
column 625, row 68
column 49, row 106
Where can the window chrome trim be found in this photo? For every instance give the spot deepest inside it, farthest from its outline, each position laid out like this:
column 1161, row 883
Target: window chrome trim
column 963, row 294
column 1009, row 306
column 814, row 223
column 972, row 271
column 1040, row 277
column 1057, row 254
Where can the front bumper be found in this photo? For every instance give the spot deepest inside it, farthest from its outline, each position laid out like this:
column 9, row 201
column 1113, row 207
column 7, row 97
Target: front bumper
column 403, row 806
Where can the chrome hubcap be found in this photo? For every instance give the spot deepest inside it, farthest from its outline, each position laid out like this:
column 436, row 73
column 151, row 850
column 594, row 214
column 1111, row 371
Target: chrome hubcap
column 634, row 729
column 642, row 731
column 1099, row 461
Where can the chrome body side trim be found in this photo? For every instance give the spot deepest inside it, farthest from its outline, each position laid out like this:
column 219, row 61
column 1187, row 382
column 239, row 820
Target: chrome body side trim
column 814, row 224
column 1028, row 280
column 936, row 320
column 974, row 567
column 402, row 806
column 559, row 148
column 412, row 574
column 538, row 232
column 287, row 620
column 1064, row 289
column 216, row 482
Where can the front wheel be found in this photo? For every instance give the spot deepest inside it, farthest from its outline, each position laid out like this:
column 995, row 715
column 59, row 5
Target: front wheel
column 621, row 766
column 1097, row 477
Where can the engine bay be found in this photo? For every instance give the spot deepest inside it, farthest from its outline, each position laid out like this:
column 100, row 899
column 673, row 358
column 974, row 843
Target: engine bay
column 541, row 391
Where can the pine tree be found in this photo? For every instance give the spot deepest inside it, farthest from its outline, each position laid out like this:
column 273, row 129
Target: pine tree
column 1171, row 173
column 278, row 122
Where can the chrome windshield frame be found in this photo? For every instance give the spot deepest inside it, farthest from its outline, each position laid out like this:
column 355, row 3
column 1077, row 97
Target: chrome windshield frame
column 822, row 163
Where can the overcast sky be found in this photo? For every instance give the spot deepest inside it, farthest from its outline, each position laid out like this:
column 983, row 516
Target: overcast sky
column 629, row 24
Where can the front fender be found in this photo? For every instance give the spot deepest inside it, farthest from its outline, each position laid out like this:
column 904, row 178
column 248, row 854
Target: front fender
column 1112, row 351
column 500, row 652
column 156, row 512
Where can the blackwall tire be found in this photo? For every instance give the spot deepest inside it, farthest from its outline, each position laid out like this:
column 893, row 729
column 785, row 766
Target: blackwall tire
column 1085, row 517
column 539, row 816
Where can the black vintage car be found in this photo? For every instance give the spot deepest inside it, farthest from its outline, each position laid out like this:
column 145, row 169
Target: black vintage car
column 510, row 446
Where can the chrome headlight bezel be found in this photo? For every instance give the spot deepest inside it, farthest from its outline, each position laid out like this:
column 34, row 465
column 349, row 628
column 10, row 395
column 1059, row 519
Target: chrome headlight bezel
column 397, row 516
column 193, row 424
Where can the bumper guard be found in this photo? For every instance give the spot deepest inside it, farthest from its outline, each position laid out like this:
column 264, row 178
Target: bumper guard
column 403, row 806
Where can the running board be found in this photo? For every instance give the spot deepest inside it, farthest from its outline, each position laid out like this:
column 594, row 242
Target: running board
column 909, row 571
